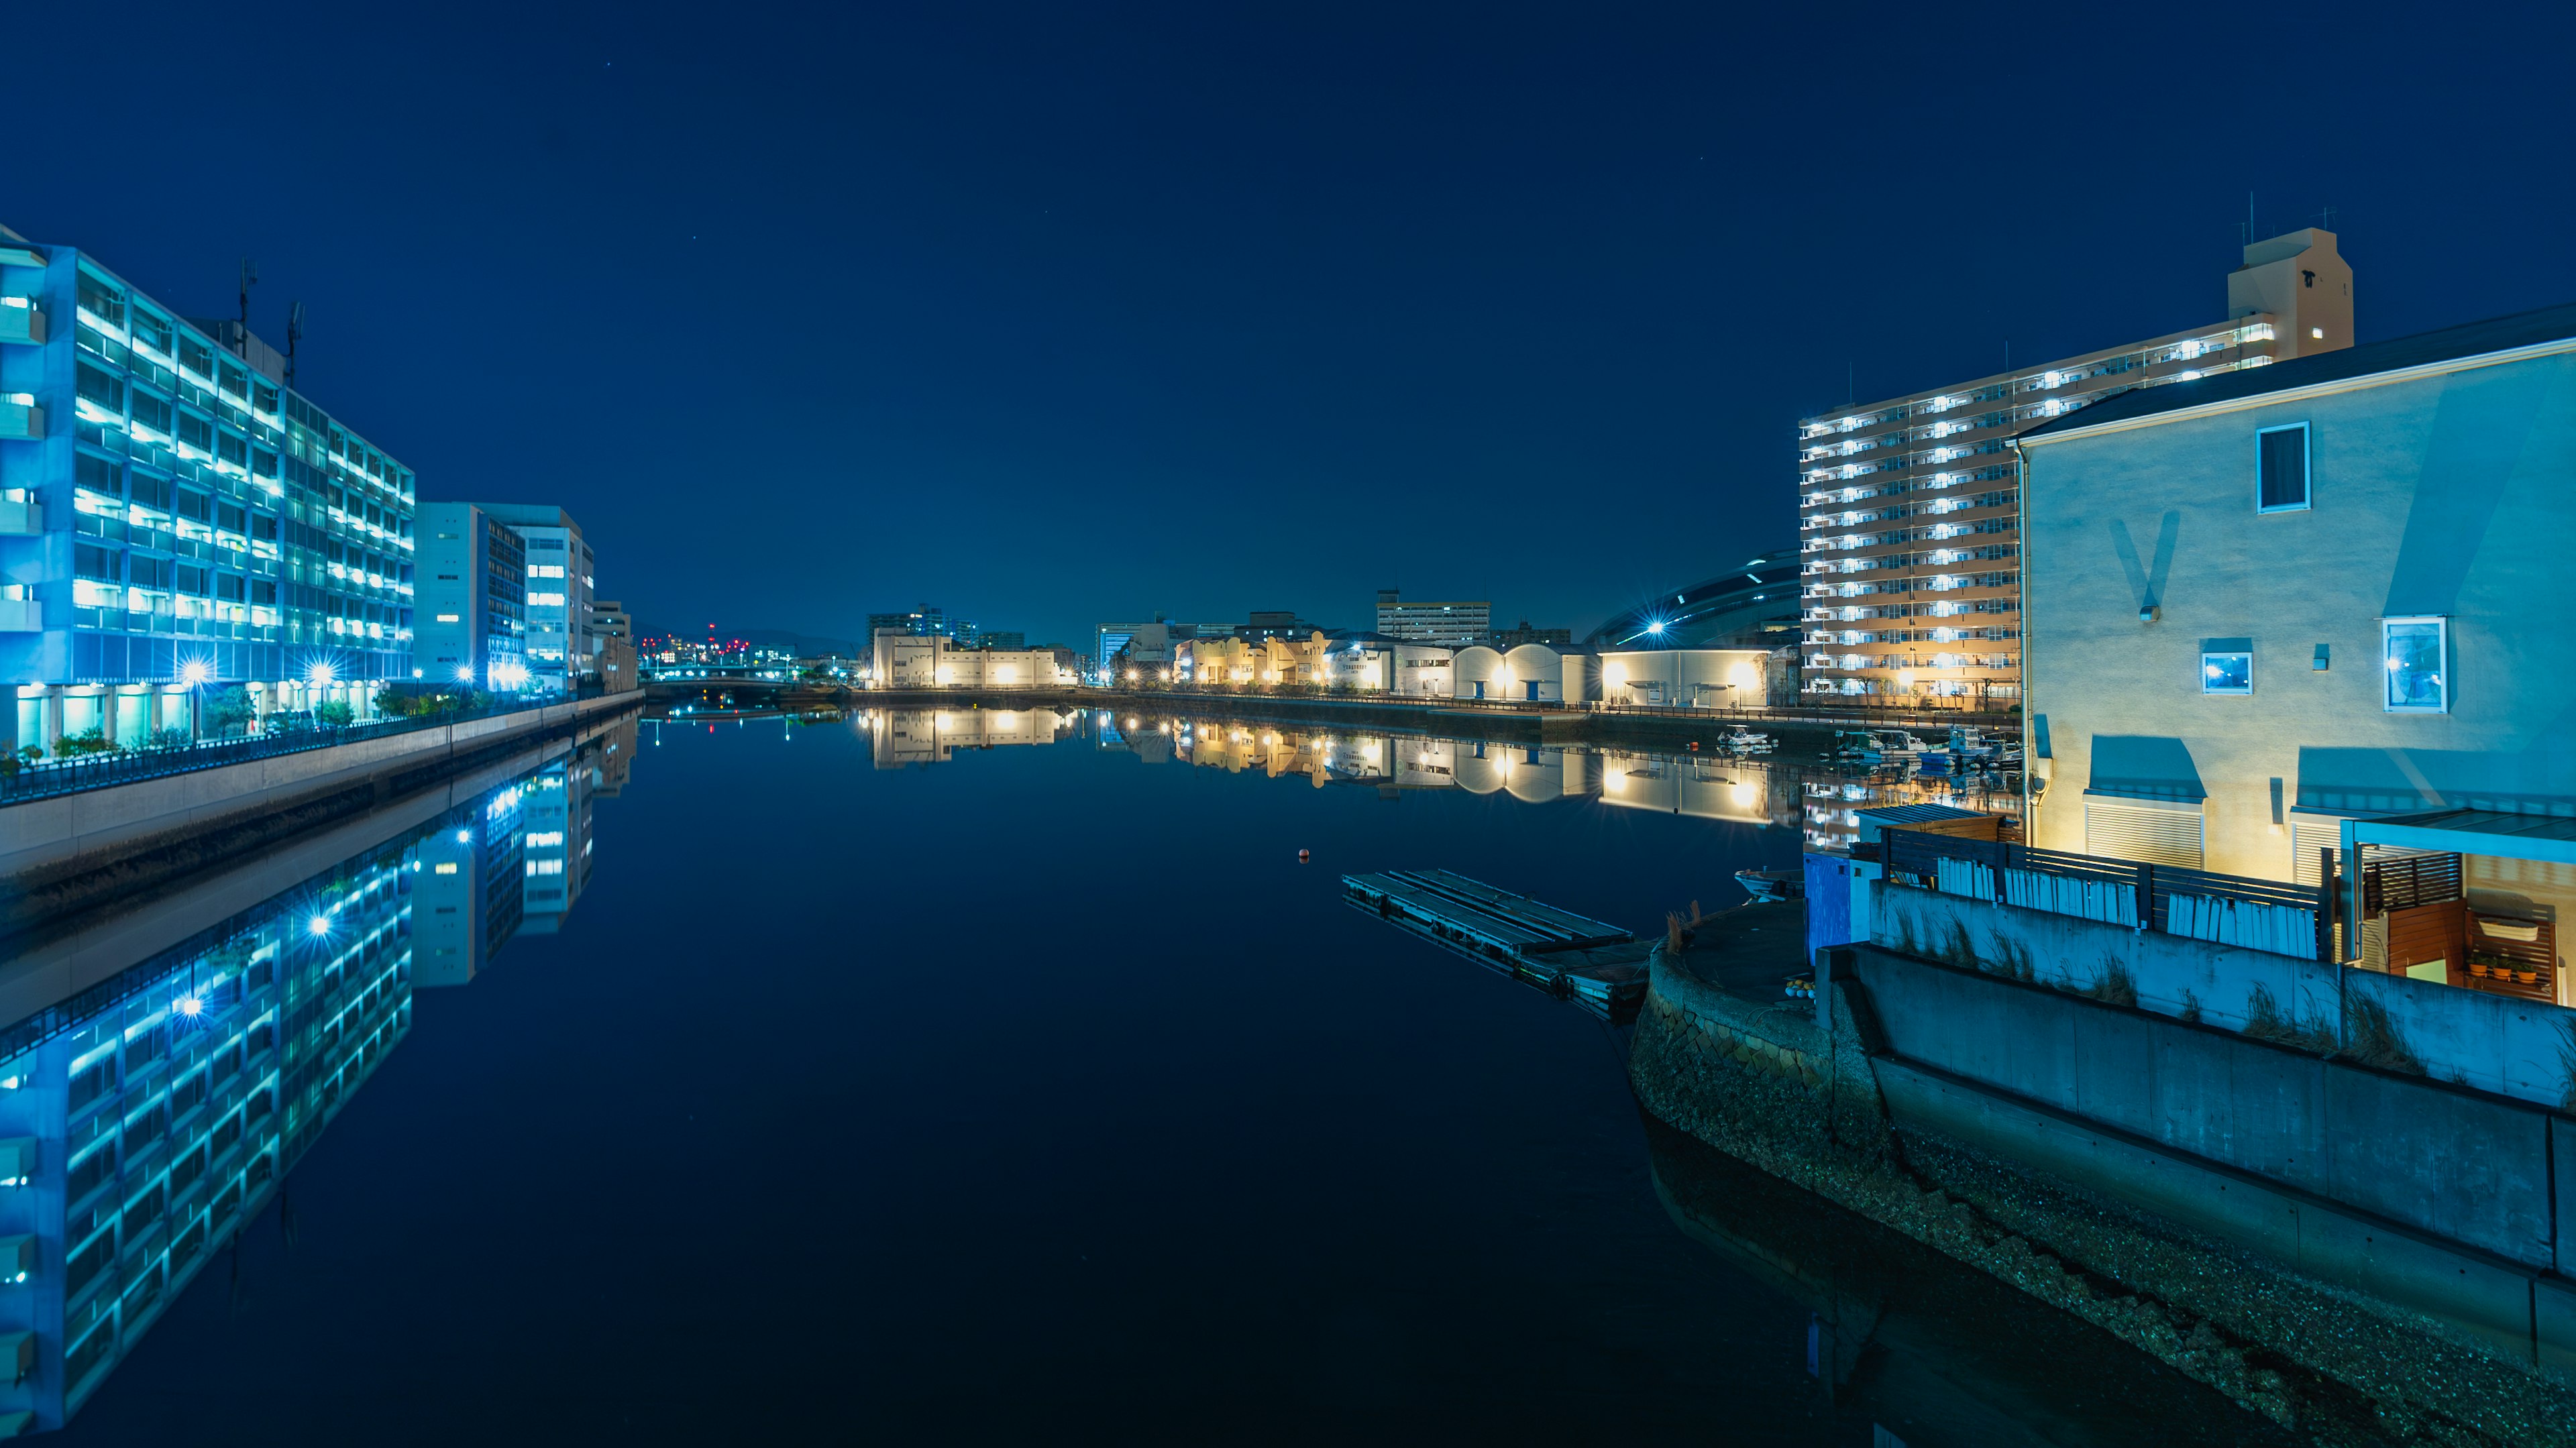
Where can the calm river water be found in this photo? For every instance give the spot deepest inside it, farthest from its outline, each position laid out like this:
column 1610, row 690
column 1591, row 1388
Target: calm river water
column 758, row 1086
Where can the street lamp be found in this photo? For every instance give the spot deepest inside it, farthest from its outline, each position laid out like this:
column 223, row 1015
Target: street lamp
column 194, row 674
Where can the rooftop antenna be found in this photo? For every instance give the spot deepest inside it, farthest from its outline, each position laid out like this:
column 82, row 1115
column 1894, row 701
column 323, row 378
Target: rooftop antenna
column 1851, row 389
column 2325, row 218
column 2249, row 218
column 294, row 334
column 249, row 279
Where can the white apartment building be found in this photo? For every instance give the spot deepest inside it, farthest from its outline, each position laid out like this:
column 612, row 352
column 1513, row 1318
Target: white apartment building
column 1909, row 517
column 556, row 647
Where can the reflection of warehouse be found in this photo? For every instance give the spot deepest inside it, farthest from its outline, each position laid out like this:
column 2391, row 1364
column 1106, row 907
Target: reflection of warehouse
column 898, row 737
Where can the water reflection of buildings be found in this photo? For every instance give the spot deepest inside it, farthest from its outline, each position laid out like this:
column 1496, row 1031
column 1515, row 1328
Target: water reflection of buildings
column 900, row 737
column 1812, row 797
column 151, row 1107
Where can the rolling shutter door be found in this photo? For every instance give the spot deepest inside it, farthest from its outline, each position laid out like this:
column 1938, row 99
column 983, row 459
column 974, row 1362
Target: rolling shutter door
column 2308, row 836
column 2160, row 835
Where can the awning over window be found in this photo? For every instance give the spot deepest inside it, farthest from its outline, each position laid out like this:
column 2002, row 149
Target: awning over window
column 2476, row 832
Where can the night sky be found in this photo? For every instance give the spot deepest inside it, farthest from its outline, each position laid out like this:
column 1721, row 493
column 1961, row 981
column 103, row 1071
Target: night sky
column 1050, row 314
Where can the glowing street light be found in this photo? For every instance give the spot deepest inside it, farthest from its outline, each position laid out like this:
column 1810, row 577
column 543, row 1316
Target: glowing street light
column 319, row 925
column 320, row 676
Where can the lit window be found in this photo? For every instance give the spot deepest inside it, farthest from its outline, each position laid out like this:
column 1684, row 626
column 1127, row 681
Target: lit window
column 2281, row 465
column 2230, row 673
column 2416, row 656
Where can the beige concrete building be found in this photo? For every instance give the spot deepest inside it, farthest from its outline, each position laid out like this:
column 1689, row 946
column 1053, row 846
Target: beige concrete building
column 2305, row 609
column 1529, row 673
column 934, row 661
column 1908, row 515
column 1696, row 678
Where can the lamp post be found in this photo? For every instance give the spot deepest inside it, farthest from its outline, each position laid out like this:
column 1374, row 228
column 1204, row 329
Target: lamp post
column 193, row 674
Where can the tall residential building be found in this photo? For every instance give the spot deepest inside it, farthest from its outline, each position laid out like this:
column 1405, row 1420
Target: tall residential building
column 474, row 587
column 1908, row 513
column 172, row 513
column 1454, row 623
column 556, row 647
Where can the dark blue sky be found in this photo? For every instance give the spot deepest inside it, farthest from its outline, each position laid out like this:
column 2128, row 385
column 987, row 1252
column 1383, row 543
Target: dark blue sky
column 1053, row 313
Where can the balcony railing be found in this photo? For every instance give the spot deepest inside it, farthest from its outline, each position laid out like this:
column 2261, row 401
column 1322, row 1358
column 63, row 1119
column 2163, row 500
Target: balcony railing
column 2268, row 915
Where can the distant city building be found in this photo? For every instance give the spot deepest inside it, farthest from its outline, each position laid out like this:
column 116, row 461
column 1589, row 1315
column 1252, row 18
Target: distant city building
column 1000, row 639
column 1109, row 638
column 612, row 646
column 922, row 622
column 1509, row 638
column 1454, row 623
column 1896, row 604
column 1275, row 624
column 473, row 599
column 556, row 647
column 172, row 513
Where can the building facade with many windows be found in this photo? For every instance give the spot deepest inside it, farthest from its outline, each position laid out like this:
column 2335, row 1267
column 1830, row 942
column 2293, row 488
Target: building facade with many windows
column 173, row 516
column 1451, row 623
column 1909, row 520
column 474, row 585
column 556, row 646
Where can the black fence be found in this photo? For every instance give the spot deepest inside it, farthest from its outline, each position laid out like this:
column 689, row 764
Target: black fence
column 2176, row 900
column 127, row 766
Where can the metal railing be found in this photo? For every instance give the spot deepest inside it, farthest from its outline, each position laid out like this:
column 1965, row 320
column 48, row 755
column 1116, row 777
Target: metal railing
column 2272, row 915
column 128, row 766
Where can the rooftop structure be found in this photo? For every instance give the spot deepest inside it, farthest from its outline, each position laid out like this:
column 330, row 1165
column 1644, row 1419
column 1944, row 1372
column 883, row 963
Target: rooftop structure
column 1909, row 518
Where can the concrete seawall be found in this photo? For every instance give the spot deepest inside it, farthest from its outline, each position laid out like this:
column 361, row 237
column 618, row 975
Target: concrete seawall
column 2349, row 1250
column 45, row 841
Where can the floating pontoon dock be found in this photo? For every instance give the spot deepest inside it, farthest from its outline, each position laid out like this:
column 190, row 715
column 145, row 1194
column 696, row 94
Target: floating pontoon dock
column 1557, row 950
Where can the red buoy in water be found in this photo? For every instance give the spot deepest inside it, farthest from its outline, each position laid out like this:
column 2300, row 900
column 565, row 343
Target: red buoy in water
column 1304, row 855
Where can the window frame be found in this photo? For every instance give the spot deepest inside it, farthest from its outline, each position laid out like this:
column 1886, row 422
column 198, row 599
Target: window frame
column 2246, row 654
column 2441, row 669
column 2307, row 468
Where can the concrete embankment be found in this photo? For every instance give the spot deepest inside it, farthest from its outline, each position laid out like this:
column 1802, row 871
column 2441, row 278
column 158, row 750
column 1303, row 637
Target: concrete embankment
column 64, row 853
column 2379, row 1289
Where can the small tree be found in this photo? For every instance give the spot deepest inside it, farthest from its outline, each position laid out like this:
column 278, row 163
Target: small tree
column 229, row 710
column 335, row 712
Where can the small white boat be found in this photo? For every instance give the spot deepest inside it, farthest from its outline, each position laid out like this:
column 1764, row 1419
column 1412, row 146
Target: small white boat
column 1741, row 740
column 1767, row 885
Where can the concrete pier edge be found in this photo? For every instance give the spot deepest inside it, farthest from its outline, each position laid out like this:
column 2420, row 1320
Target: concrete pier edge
column 1816, row 1099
